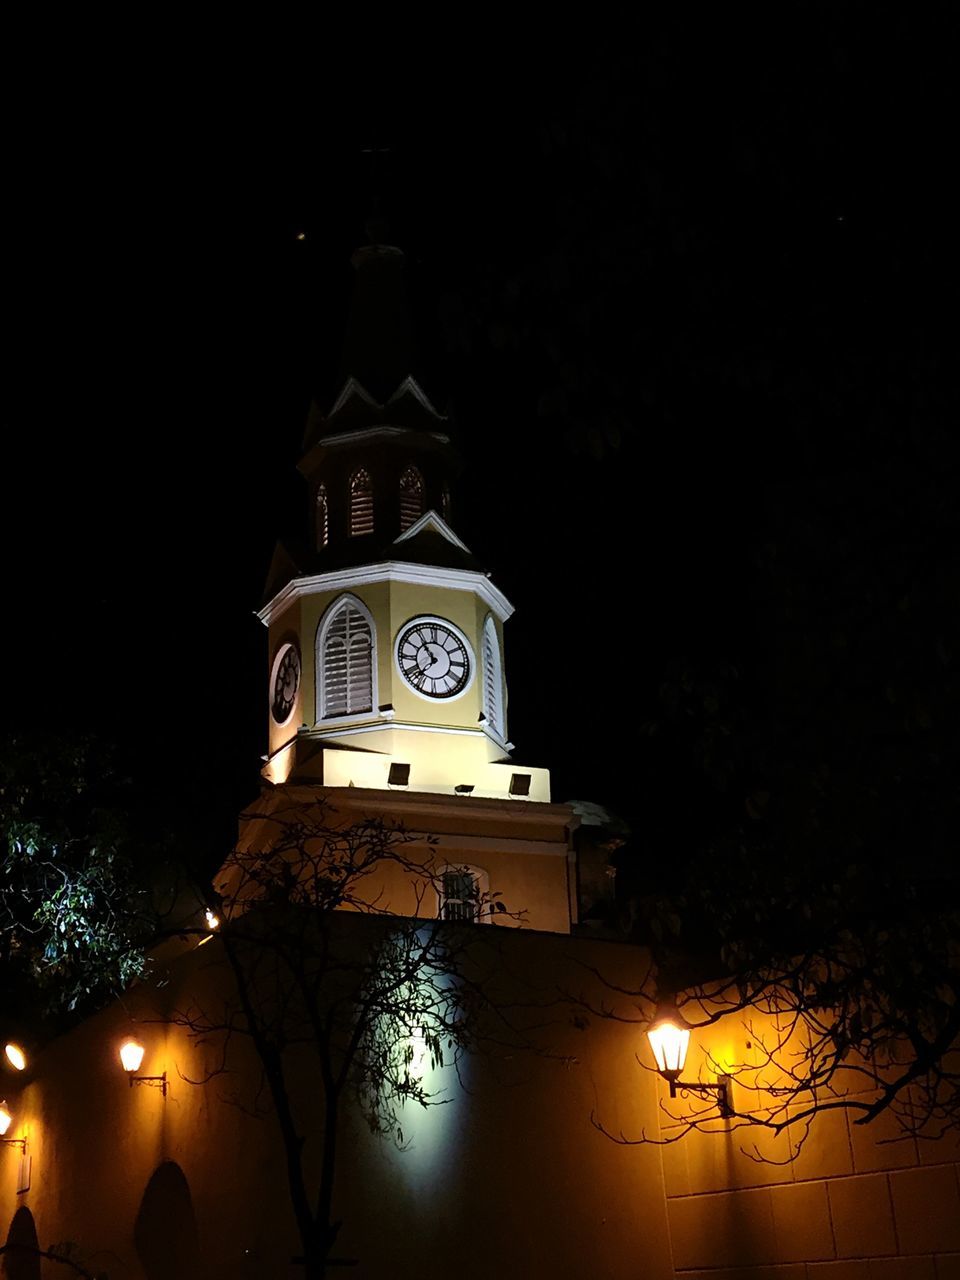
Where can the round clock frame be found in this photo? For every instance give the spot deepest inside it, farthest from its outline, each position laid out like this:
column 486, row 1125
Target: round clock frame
column 428, row 652
column 280, row 680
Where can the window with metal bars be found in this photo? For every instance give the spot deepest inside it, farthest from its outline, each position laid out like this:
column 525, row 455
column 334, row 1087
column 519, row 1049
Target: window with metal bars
column 411, row 497
column 323, row 517
column 361, row 503
column 346, row 662
column 459, row 894
column 492, row 678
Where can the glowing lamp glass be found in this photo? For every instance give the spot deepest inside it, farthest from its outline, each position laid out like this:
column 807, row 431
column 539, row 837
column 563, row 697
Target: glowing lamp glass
column 6, row 1119
column 15, row 1056
column 213, row 921
column 131, row 1055
column 669, row 1042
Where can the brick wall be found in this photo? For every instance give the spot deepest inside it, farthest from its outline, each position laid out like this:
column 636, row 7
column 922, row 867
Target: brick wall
column 849, row 1205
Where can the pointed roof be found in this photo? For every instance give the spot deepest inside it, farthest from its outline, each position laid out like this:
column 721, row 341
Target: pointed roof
column 355, row 409
column 430, row 540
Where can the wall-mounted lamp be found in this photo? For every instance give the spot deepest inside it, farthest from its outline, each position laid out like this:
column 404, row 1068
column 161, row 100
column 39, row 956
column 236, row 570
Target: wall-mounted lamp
column 131, row 1055
column 6, row 1119
column 15, row 1056
column 212, row 919
column 669, row 1039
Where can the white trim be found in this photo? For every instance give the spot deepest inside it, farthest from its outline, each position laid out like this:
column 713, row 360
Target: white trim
column 349, row 389
column 364, row 434
column 353, row 388
column 431, row 520
column 388, row 571
column 346, row 600
column 413, row 386
column 502, row 743
column 427, row 619
column 388, row 727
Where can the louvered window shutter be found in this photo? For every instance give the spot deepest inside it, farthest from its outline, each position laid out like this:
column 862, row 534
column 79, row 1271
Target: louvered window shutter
column 323, row 518
column 411, row 497
column 361, row 503
column 492, row 678
column 348, row 665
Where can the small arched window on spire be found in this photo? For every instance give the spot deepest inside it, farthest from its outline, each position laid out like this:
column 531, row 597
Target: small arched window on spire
column 492, row 680
column 345, row 660
column 323, row 518
column 411, row 497
column 361, row 503
column 445, row 500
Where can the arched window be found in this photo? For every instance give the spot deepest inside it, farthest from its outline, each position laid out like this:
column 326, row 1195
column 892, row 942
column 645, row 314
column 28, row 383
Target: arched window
column 361, row 503
column 492, row 679
column 323, row 518
column 345, row 649
column 411, row 497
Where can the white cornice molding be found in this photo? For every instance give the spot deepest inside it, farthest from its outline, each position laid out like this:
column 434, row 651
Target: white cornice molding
column 426, row 575
column 384, row 431
column 388, row 726
column 430, row 520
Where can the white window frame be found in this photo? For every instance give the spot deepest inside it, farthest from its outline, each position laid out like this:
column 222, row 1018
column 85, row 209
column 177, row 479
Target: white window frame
column 347, row 600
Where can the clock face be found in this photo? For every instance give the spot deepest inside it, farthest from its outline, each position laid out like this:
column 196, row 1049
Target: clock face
column 434, row 658
column 285, row 683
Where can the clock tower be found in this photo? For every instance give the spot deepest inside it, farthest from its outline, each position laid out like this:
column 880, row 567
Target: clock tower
column 385, row 690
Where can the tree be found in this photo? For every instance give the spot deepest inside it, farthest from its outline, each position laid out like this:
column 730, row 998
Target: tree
column 323, row 970
column 824, row 892
column 75, row 915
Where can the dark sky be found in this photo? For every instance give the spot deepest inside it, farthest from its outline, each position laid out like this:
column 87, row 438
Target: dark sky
column 704, row 234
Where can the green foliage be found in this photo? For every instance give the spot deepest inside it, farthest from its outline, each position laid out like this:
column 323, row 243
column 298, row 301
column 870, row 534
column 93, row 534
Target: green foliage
column 73, row 917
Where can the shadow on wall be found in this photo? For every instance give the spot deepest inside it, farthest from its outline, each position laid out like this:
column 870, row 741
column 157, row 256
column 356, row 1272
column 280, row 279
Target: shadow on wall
column 22, row 1263
column 165, row 1233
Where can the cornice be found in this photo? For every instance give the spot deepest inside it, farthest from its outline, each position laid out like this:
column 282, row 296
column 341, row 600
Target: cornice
column 388, row 571
column 381, row 431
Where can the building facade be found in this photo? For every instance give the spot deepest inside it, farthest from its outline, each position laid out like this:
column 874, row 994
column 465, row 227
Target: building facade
column 386, row 703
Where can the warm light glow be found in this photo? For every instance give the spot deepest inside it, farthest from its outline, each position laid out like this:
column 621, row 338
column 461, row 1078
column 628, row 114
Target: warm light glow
column 213, row 922
column 669, row 1040
column 15, row 1056
column 131, row 1055
column 6, row 1119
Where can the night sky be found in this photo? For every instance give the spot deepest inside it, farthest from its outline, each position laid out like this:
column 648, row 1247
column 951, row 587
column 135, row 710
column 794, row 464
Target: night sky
column 664, row 275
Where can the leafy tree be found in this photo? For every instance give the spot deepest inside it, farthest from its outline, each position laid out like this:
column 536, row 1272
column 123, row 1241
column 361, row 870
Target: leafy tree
column 322, row 968
column 825, row 889
column 74, row 912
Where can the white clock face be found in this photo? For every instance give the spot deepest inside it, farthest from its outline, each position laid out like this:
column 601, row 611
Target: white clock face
column 434, row 658
column 284, row 683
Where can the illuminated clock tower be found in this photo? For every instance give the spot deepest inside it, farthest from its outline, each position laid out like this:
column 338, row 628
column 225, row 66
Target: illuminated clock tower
column 386, row 689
